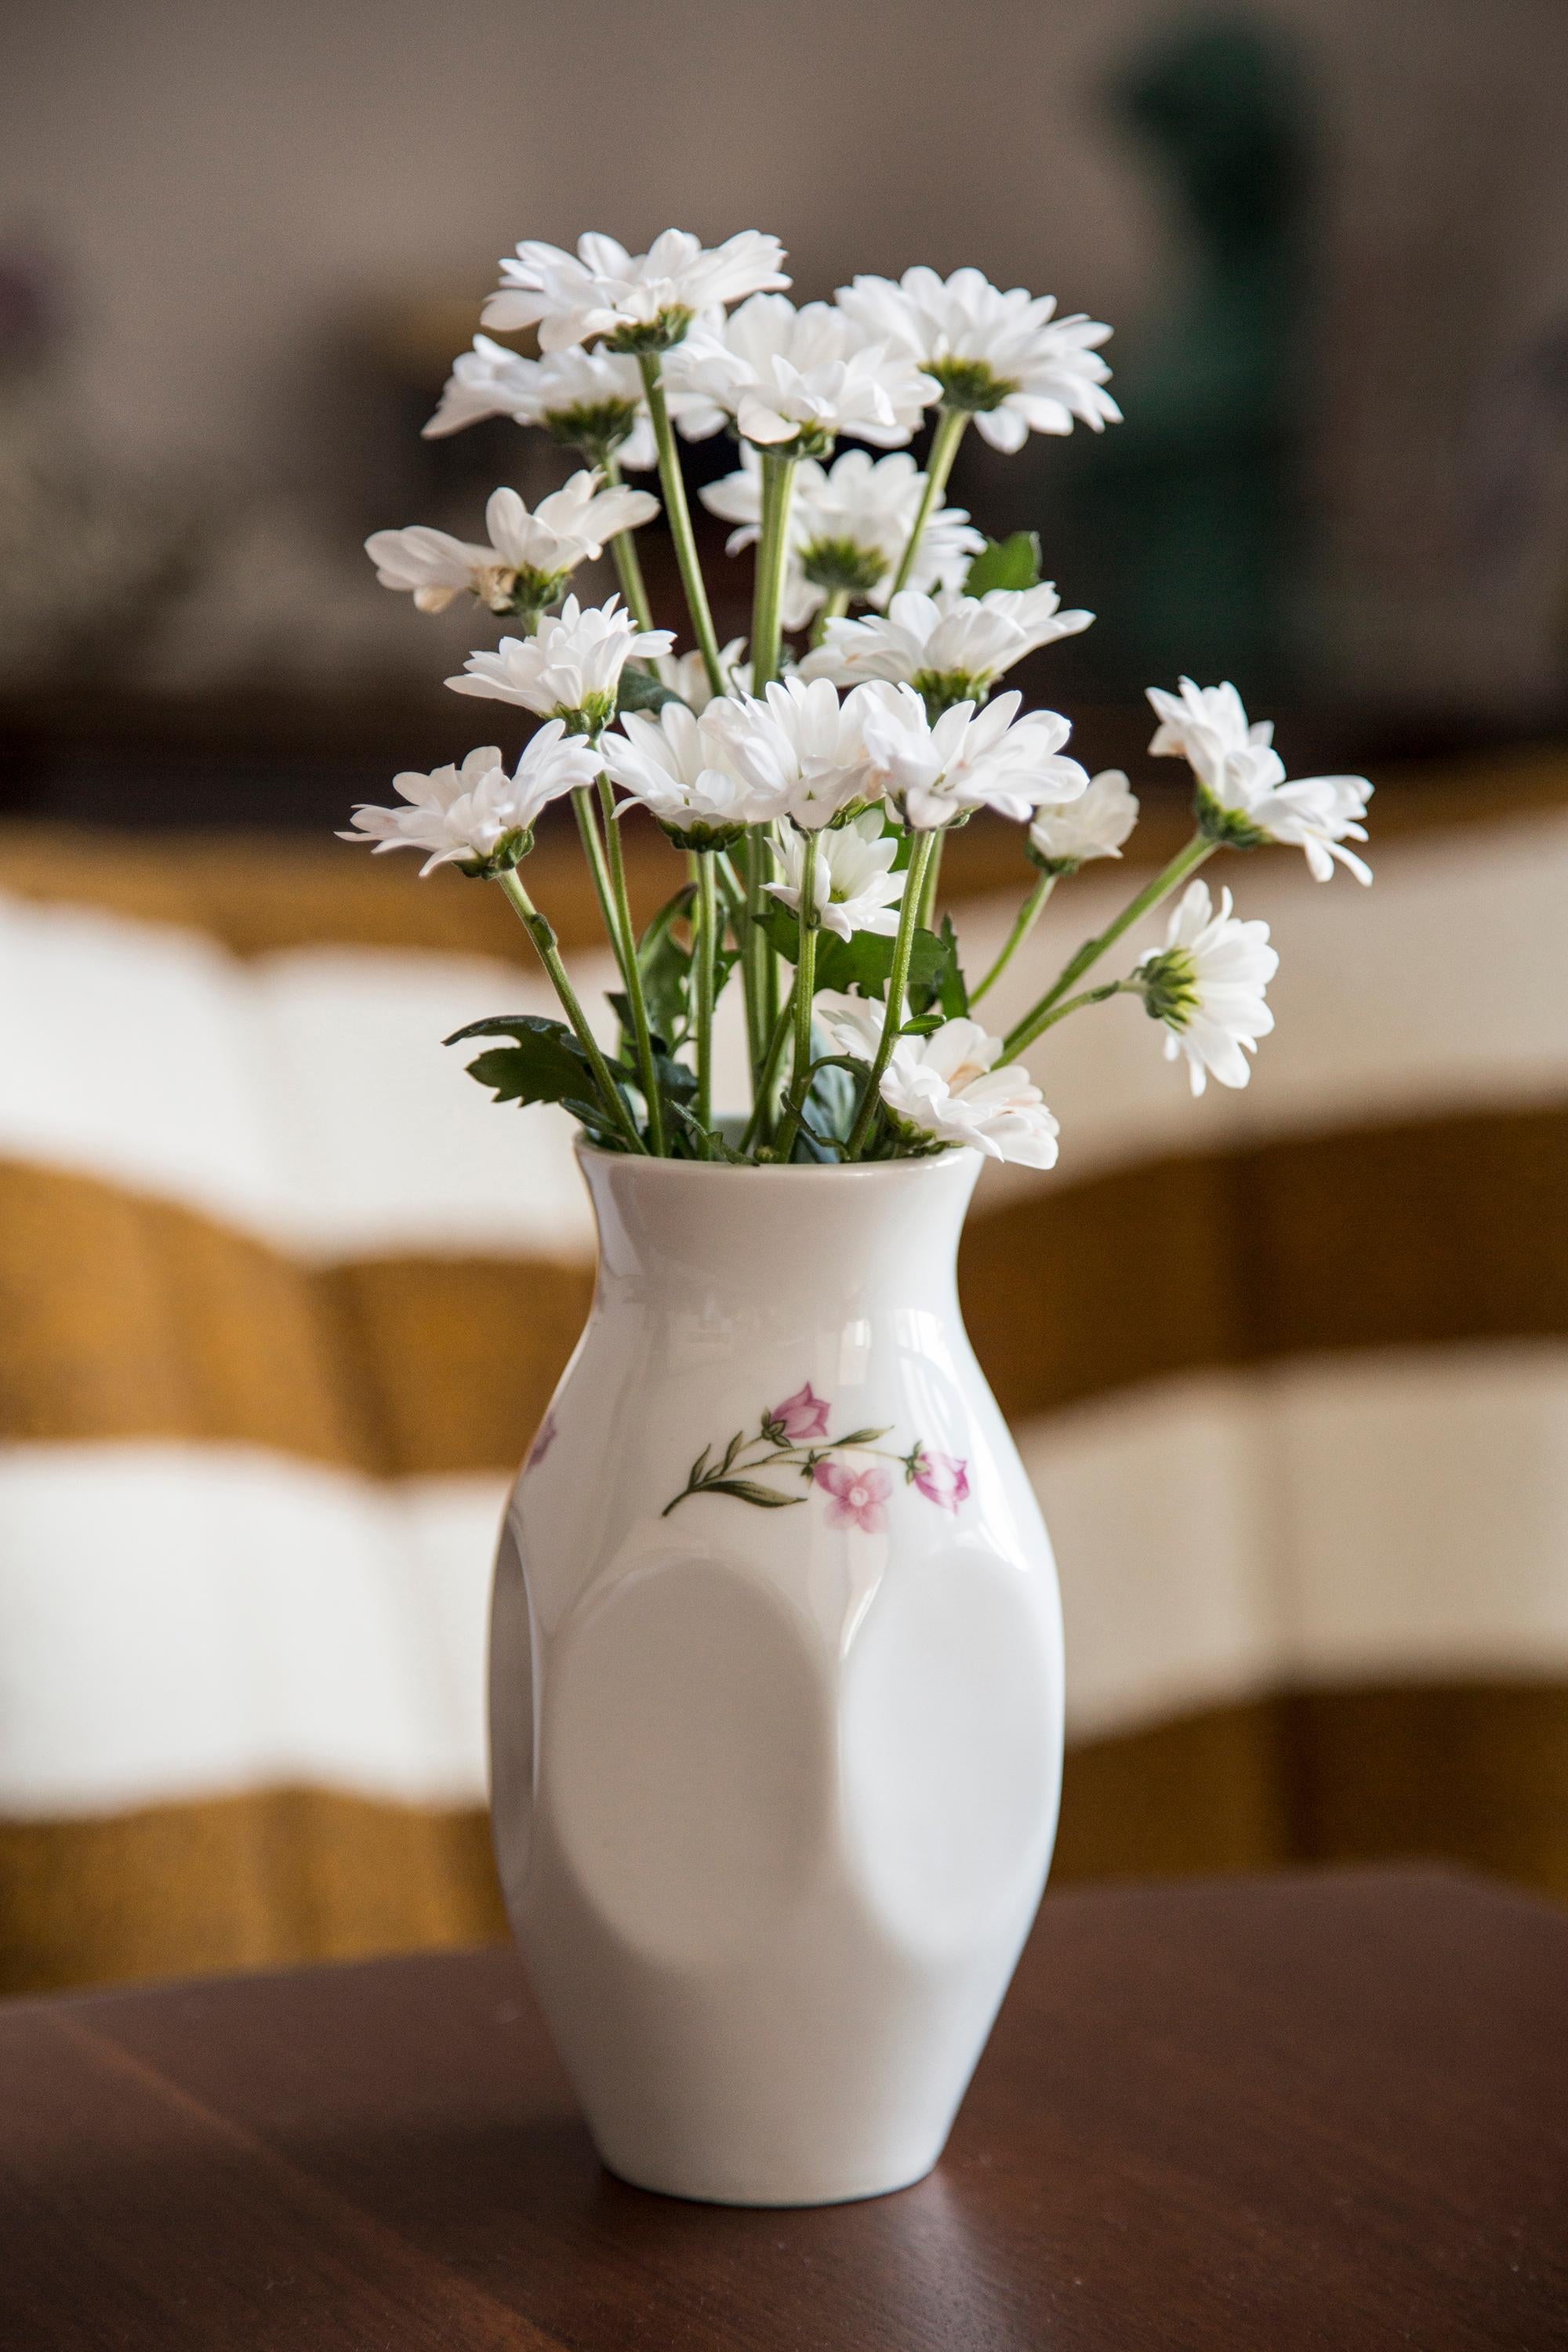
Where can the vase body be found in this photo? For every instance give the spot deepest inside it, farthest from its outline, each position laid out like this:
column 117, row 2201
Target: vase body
column 775, row 1683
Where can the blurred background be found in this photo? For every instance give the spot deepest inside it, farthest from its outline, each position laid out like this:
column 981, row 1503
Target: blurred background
column 280, row 1306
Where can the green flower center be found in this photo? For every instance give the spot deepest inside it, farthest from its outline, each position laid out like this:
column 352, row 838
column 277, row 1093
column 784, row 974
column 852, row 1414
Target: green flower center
column 938, row 690
column 970, row 385
column 596, row 428
column 524, row 593
column 703, row 834
column 1170, row 985
column 843, row 563
column 507, row 851
column 1218, row 823
column 652, row 334
column 590, row 718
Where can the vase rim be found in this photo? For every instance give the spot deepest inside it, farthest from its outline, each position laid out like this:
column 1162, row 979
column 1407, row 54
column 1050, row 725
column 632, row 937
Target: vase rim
column 856, row 1171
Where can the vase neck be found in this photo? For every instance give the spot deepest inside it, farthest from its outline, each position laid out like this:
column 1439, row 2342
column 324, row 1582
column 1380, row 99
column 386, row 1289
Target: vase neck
column 788, row 1242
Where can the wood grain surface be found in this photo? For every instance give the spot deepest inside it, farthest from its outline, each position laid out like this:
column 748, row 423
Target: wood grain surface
column 1326, row 2112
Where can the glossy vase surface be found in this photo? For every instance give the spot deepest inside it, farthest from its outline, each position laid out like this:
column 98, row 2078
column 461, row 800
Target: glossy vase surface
column 775, row 1682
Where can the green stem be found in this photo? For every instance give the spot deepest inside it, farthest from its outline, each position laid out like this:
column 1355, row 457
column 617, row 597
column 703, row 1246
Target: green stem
column 927, row 915
column 678, row 516
column 837, row 604
column 898, row 983
column 593, row 849
column 628, row 564
column 765, row 1081
column 1029, row 914
column 1185, row 861
column 706, row 952
column 772, row 556
column 805, row 990
column 540, row 931
column 630, row 973
column 1086, row 996
column 948, row 432
column 752, row 944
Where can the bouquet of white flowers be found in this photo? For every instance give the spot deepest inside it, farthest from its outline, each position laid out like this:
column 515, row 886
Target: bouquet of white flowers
column 811, row 789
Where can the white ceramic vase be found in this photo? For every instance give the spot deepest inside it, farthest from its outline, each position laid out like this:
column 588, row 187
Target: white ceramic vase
column 775, row 1682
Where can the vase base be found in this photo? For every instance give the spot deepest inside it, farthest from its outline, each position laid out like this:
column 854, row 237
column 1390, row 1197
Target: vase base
column 779, row 2198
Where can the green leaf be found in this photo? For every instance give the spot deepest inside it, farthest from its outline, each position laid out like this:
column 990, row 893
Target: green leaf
column 1005, row 563
column 640, row 690
column 665, row 968
column 860, row 1437
column 545, row 1065
column 952, row 988
column 746, row 1490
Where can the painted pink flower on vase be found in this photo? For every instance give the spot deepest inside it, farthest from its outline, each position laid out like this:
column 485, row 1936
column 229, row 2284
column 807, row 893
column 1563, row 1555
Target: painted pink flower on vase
column 542, row 1443
column 802, row 1418
column 942, row 1478
column 859, row 1498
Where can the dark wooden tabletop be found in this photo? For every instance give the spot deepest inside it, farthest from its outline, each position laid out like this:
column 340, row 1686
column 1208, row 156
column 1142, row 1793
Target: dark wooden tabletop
column 1315, row 2112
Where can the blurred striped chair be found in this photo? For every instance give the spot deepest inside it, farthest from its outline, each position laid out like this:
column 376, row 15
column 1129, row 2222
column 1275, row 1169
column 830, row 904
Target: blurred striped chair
column 282, row 1297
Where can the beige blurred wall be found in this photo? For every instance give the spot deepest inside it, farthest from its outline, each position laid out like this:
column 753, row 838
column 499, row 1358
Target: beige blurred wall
column 232, row 183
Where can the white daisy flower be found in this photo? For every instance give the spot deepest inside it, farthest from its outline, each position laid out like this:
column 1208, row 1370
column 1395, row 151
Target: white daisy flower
column 477, row 815
column 852, row 524
column 849, row 524
column 852, row 887
column 585, row 399
column 1206, row 985
column 687, row 674
column 968, row 759
column 794, row 380
column 1095, row 826
column 570, row 668
column 1005, row 358
column 949, row 648
column 800, row 747
column 529, row 557
column 946, row 1089
column 1243, row 795
column 853, row 1022
column 671, row 762
column 637, row 302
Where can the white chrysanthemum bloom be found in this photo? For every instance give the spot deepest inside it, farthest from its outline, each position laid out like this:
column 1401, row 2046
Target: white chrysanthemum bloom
column 687, row 674
column 570, row 668
column 478, row 817
column 1206, row 985
column 946, row 1089
column 849, row 525
column 637, row 302
column 671, row 763
column 1005, row 358
column 968, row 759
column 1204, row 722
column 801, row 747
column 530, row 556
column 853, row 1022
column 950, row 647
column 794, row 380
column 590, row 401
column 853, row 886
column 1094, row 826
column 1243, row 795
